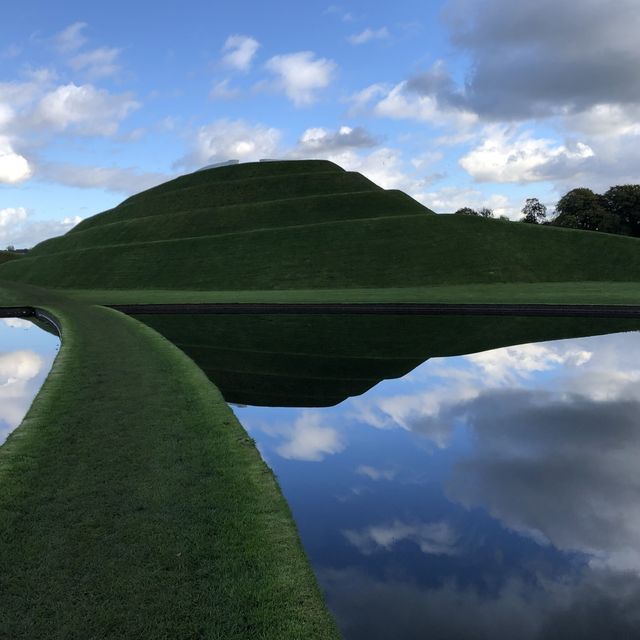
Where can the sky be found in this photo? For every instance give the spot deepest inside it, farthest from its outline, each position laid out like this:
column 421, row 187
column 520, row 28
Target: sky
column 457, row 102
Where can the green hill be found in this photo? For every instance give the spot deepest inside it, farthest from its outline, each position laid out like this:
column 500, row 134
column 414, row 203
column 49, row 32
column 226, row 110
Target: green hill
column 307, row 225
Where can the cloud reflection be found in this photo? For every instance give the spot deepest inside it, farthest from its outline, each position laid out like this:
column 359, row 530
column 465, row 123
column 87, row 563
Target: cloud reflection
column 17, row 370
column 309, row 440
column 434, row 538
column 603, row 605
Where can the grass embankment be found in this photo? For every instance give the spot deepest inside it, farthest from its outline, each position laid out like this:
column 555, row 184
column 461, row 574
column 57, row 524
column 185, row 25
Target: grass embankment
column 133, row 504
column 320, row 360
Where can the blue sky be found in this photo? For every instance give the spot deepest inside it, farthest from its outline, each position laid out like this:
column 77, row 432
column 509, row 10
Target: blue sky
column 458, row 102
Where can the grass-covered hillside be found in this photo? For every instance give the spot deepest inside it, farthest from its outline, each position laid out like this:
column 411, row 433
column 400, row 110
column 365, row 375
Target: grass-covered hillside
column 307, row 225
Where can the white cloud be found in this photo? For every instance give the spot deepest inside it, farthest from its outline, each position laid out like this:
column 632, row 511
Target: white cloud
column 301, row 75
column 71, row 38
column 369, row 34
column 14, row 167
column 450, row 199
column 239, row 51
column 374, row 473
column 433, row 538
column 124, row 180
column 309, row 440
column 232, row 139
column 97, row 63
column 11, row 216
column 223, row 91
column 402, row 104
column 606, row 120
column 17, row 229
column 85, row 109
column 507, row 157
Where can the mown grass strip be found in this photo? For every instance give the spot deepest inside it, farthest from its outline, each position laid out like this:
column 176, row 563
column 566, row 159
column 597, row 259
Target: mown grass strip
column 605, row 292
column 133, row 504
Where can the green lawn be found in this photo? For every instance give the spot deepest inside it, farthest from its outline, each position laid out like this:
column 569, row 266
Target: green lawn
column 133, row 504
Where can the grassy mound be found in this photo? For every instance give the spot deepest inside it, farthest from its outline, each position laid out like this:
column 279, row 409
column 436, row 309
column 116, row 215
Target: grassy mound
column 308, row 225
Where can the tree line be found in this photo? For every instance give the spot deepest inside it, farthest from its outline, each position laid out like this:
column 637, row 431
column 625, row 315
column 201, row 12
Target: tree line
column 615, row 211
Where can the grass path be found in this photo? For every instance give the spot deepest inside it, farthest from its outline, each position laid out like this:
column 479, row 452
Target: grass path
column 511, row 293
column 133, row 504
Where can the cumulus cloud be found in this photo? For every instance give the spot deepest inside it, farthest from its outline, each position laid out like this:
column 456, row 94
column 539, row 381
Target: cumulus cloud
column 239, row 52
column 551, row 59
column 403, row 103
column 369, row 34
column 232, row 139
column 125, row 180
column 504, row 156
column 14, row 167
column 433, row 538
column 309, row 440
column 84, row 109
column 301, row 75
column 17, row 228
column 319, row 139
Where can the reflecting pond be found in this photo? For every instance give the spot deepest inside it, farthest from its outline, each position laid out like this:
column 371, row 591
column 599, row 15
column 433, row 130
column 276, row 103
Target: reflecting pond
column 491, row 491
column 26, row 355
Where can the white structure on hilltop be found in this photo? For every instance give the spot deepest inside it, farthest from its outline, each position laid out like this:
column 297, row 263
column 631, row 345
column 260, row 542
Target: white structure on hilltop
column 226, row 163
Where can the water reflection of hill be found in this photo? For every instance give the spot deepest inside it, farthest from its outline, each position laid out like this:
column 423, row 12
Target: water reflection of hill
column 316, row 360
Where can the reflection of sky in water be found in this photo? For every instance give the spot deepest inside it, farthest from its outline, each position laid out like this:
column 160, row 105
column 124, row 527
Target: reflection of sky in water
column 26, row 355
column 494, row 495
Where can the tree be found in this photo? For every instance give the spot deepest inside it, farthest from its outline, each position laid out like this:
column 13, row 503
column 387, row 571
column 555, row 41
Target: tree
column 468, row 211
column 623, row 201
column 534, row 211
column 583, row 209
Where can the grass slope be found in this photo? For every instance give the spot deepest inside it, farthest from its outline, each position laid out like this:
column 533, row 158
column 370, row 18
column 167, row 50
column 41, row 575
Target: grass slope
column 233, row 219
column 133, row 504
column 398, row 251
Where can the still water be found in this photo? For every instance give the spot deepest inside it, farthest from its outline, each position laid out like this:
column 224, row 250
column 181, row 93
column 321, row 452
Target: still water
column 486, row 495
column 26, row 355
column 495, row 495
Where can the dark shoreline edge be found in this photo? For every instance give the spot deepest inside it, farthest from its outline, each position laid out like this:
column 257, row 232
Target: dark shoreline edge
column 551, row 310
